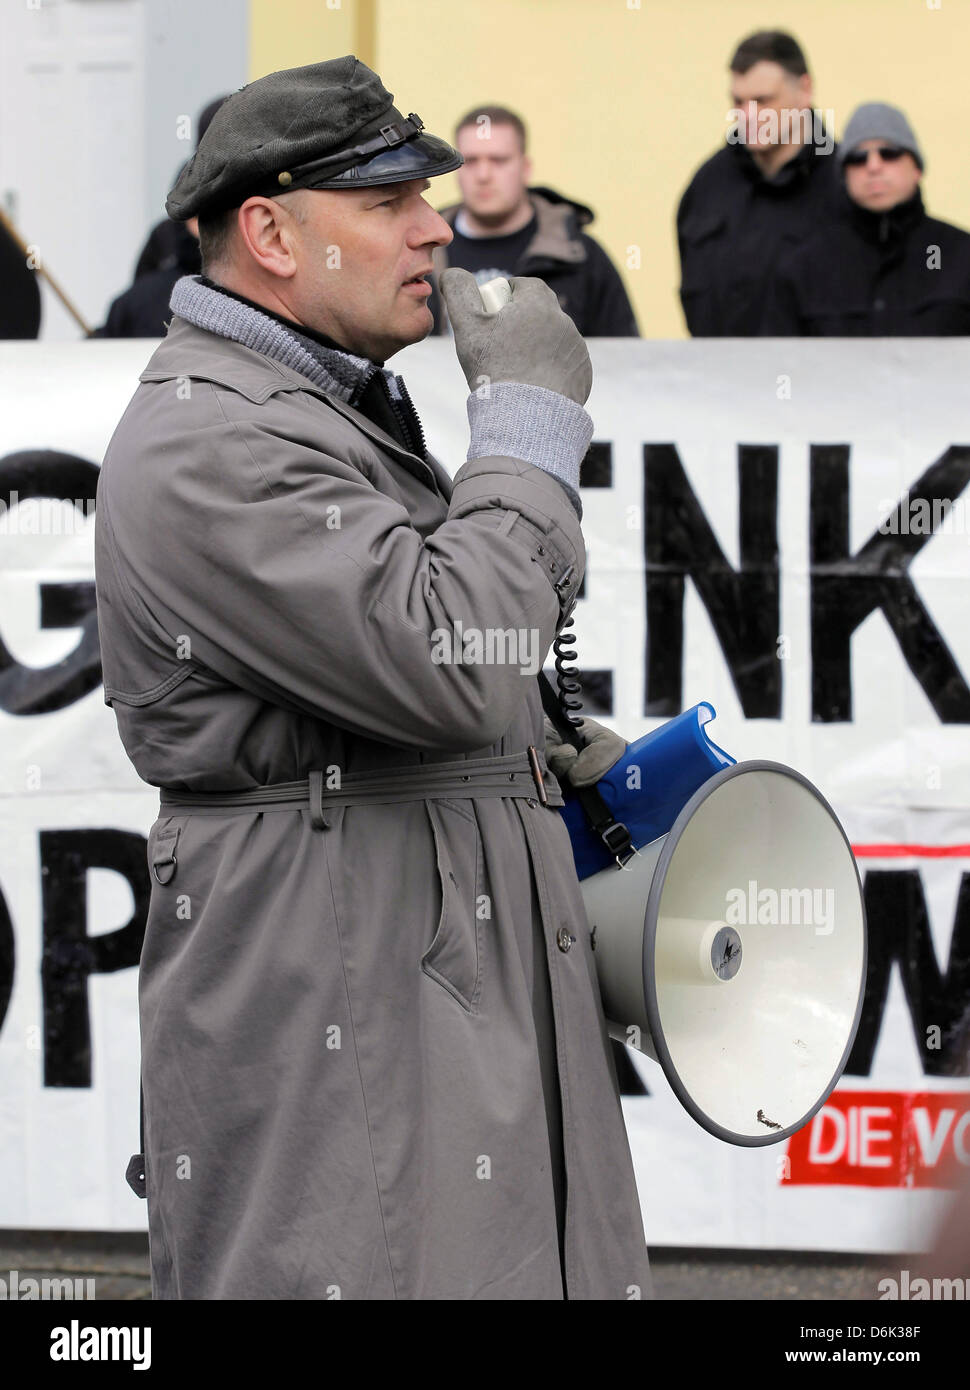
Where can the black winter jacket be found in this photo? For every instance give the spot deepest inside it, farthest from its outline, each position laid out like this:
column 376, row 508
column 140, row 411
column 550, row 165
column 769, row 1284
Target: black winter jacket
column 733, row 225
column 19, row 291
column 142, row 311
column 570, row 262
column 874, row 275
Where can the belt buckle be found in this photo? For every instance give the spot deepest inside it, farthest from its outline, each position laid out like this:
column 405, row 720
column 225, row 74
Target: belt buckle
column 537, row 774
column 318, row 818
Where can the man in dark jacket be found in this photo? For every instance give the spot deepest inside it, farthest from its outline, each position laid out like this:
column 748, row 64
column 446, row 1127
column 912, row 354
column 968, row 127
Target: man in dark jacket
column 759, row 196
column 19, row 291
column 143, row 310
column 882, row 267
column 505, row 227
column 171, row 251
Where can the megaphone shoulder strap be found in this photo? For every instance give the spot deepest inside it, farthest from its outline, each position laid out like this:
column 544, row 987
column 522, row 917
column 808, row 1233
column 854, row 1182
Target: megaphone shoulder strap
column 611, row 832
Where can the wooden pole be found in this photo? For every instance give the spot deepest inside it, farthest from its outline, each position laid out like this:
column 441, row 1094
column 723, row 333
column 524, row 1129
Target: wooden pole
column 75, row 314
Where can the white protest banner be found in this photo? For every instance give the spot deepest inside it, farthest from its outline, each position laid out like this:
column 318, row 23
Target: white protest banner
column 779, row 528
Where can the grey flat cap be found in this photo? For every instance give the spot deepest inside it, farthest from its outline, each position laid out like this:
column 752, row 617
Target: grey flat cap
column 328, row 125
column 877, row 121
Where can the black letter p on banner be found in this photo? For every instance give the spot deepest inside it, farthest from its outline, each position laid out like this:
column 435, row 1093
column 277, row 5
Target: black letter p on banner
column 70, row 955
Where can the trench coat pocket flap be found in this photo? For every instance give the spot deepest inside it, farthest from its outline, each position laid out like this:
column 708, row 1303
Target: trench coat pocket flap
column 162, row 855
column 456, row 955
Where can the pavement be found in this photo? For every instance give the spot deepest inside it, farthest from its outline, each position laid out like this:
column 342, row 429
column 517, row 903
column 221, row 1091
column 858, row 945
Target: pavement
column 118, row 1264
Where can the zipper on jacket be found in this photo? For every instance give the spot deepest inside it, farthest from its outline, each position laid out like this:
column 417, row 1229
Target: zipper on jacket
column 407, row 435
column 408, row 416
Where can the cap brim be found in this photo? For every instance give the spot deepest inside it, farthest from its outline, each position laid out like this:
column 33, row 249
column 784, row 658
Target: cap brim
column 423, row 157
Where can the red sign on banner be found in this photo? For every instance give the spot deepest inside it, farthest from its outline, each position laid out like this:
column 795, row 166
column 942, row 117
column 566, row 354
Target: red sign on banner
column 884, row 1139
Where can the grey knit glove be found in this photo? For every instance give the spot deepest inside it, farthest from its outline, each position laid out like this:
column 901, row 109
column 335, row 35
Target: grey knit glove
column 602, row 749
column 530, row 340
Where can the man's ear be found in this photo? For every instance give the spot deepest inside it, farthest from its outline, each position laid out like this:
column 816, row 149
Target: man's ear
column 267, row 233
column 526, row 169
column 805, row 89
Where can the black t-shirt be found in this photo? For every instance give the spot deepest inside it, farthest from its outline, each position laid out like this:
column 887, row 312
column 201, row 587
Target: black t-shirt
column 487, row 257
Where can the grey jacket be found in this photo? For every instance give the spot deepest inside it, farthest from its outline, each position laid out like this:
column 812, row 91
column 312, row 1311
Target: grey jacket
column 372, row 1040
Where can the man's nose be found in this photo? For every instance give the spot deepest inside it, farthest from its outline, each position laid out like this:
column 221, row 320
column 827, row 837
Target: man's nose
column 433, row 228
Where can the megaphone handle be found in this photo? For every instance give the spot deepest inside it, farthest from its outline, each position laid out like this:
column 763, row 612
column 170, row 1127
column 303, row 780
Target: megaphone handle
column 611, row 833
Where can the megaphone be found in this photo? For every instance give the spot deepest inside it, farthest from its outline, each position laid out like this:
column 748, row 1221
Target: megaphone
column 732, row 948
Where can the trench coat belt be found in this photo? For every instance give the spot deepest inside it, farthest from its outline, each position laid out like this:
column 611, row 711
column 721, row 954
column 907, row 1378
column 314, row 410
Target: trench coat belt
column 513, row 774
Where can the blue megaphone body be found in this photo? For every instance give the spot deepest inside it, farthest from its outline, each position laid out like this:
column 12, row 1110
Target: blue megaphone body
column 750, row 1012
column 648, row 786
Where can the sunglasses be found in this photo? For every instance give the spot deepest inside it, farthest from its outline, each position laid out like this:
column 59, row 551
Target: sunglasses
column 885, row 152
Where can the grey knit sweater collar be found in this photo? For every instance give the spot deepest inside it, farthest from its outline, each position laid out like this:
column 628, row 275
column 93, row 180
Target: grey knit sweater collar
column 342, row 374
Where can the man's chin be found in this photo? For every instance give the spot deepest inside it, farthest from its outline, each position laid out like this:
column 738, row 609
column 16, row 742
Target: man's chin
column 490, row 216
column 411, row 333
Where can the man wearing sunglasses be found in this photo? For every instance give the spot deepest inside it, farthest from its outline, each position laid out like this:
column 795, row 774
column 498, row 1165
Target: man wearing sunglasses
column 881, row 268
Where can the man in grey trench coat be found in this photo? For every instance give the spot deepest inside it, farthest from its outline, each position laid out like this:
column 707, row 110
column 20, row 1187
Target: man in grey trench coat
column 374, row 1058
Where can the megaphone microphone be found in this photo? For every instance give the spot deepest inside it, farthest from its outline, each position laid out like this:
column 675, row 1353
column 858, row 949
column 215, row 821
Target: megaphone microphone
column 495, row 294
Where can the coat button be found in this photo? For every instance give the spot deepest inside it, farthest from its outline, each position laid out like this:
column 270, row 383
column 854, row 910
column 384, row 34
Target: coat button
column 879, row 305
column 563, row 939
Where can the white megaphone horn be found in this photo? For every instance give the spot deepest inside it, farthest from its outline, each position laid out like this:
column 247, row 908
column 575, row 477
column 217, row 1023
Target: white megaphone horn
column 732, row 950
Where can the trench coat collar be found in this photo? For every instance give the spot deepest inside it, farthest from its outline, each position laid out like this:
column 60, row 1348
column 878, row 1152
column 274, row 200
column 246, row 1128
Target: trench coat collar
column 189, row 351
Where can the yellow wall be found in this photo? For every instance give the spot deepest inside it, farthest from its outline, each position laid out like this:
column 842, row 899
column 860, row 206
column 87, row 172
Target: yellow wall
column 623, row 103
column 291, row 33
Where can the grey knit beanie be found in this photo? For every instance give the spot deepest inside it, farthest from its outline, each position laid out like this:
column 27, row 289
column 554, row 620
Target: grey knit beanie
column 877, row 121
